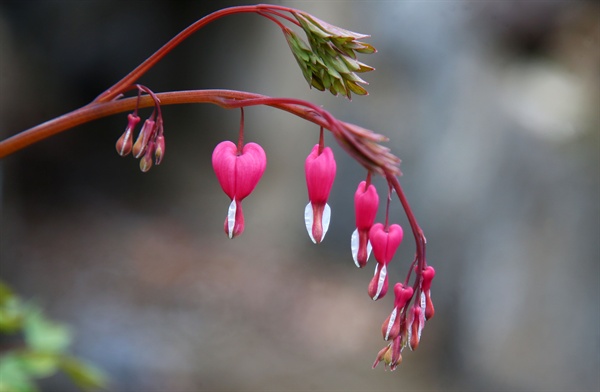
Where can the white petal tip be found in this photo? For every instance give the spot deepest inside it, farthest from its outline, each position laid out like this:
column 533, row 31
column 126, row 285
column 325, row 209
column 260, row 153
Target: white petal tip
column 231, row 218
column 354, row 247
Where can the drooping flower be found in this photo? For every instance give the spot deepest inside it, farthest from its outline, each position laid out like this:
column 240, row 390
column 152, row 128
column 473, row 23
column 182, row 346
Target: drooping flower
column 428, row 274
column 320, row 171
column 385, row 242
column 238, row 173
column 366, row 202
column 391, row 327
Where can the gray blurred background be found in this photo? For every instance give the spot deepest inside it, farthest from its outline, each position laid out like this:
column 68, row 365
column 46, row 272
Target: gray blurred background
column 493, row 108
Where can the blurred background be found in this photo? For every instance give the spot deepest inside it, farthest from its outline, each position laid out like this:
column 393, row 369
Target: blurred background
column 492, row 107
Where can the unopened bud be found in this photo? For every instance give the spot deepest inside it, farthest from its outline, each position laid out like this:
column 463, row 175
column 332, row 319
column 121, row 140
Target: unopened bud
column 379, row 283
column 159, row 153
column 142, row 140
column 417, row 322
column 146, row 160
column 125, row 142
column 390, row 329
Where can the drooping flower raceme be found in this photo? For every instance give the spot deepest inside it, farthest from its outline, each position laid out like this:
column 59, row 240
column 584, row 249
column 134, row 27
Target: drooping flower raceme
column 238, row 173
column 366, row 202
column 385, row 242
column 320, row 171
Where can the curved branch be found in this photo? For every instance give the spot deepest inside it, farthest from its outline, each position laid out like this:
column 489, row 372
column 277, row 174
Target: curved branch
column 360, row 143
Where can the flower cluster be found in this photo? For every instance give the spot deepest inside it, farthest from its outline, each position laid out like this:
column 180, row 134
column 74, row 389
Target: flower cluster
column 239, row 169
column 328, row 61
column 149, row 146
column 404, row 325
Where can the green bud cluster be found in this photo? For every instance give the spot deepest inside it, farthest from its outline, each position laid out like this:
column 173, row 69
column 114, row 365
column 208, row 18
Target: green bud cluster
column 328, row 61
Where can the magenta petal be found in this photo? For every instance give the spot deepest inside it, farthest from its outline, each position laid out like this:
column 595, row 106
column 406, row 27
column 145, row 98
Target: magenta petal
column 238, row 174
column 385, row 243
column 320, row 172
column 223, row 161
column 366, row 203
column 249, row 169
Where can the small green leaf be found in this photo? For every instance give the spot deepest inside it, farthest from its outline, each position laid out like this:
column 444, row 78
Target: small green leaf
column 11, row 315
column 84, row 375
column 13, row 376
column 39, row 364
column 45, row 335
column 5, row 293
column 356, row 89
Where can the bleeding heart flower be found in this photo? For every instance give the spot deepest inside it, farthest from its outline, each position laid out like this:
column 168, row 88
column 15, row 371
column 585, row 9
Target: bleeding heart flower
column 238, row 173
column 428, row 274
column 385, row 242
column 366, row 202
column 391, row 326
column 320, row 171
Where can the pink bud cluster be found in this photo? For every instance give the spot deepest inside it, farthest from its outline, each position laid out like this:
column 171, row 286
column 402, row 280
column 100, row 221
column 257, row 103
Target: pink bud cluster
column 149, row 146
column 404, row 325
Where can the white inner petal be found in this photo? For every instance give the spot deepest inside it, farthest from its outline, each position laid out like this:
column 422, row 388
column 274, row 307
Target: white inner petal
column 381, row 280
column 308, row 220
column 369, row 249
column 326, row 219
column 354, row 246
column 423, row 302
column 231, row 218
column 391, row 323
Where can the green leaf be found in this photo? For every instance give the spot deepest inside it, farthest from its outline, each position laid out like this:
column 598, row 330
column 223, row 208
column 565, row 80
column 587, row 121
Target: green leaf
column 11, row 315
column 84, row 375
column 5, row 293
column 39, row 364
column 44, row 335
column 13, row 376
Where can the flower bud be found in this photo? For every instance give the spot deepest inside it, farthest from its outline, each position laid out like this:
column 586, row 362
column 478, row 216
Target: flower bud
column 159, row 153
column 416, row 322
column 125, row 142
column 139, row 148
column 146, row 160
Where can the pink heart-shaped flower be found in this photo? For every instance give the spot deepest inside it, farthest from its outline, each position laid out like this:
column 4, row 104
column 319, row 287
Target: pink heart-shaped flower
column 385, row 242
column 238, row 174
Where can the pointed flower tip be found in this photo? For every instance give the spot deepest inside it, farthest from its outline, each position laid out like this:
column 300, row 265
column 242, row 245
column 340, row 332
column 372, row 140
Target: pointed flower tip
column 379, row 283
column 234, row 222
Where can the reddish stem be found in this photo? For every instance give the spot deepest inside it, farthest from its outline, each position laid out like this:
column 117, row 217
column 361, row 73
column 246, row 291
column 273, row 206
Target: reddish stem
column 240, row 145
column 261, row 9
